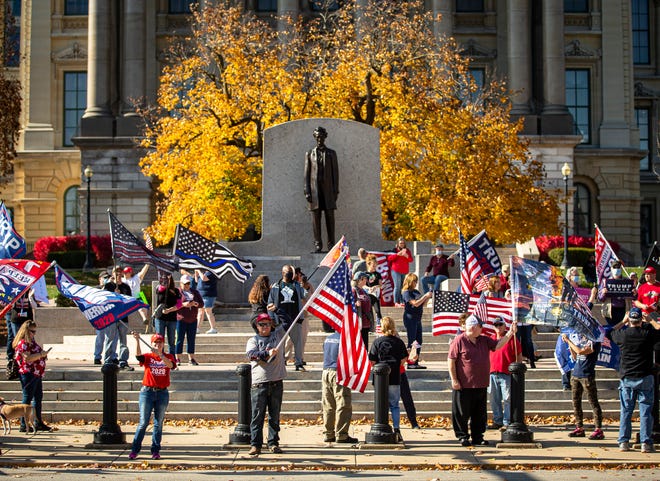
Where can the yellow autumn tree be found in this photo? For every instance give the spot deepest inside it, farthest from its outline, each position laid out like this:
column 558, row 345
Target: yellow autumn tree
column 10, row 94
column 449, row 153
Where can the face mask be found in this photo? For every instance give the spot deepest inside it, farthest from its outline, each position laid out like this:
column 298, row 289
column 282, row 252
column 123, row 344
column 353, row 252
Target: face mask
column 616, row 272
column 288, row 277
column 438, row 252
column 576, row 279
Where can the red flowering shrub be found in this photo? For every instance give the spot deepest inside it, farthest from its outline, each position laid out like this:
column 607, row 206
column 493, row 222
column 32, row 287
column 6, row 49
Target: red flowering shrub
column 546, row 243
column 101, row 247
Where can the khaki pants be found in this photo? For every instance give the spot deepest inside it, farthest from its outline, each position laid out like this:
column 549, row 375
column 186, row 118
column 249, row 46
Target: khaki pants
column 337, row 406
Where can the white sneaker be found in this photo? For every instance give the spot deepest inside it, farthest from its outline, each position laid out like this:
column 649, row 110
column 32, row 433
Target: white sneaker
column 211, row 331
column 624, row 446
column 647, row 448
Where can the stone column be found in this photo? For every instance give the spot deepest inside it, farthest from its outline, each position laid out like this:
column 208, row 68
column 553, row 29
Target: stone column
column 445, row 26
column 36, row 78
column 555, row 117
column 133, row 88
column 617, row 75
column 286, row 8
column 97, row 119
column 519, row 55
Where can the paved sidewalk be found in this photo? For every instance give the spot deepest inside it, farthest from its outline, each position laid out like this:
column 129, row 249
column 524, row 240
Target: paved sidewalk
column 201, row 448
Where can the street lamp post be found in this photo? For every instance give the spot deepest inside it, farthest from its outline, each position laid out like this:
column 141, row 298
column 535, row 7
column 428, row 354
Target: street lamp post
column 566, row 172
column 89, row 262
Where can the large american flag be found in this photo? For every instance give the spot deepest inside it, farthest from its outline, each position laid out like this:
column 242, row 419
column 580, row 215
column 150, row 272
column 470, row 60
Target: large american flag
column 449, row 305
column 197, row 252
column 605, row 256
column 333, row 303
column 128, row 248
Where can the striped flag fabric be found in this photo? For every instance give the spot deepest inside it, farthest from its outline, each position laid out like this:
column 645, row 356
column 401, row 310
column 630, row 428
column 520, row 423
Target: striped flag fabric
column 605, row 256
column 128, row 248
column 449, row 305
column 16, row 278
column 197, row 252
column 478, row 261
column 341, row 247
column 333, row 303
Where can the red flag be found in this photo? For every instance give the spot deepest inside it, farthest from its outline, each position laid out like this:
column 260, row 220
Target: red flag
column 333, row 303
column 16, row 277
column 334, row 253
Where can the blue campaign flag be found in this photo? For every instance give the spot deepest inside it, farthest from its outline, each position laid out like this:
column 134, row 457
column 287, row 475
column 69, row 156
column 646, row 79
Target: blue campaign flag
column 609, row 355
column 12, row 245
column 101, row 308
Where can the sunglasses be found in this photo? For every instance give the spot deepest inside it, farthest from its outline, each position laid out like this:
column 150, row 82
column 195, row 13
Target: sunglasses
column 263, row 324
column 33, row 332
column 498, row 324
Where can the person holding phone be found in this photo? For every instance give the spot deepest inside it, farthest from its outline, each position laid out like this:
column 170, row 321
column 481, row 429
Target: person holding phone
column 187, row 308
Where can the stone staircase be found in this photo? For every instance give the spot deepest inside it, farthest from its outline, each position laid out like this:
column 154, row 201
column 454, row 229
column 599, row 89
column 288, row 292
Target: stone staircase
column 73, row 386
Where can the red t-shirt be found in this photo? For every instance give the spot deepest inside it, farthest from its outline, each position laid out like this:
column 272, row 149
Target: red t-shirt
column 500, row 360
column 400, row 264
column 649, row 294
column 156, row 373
column 472, row 360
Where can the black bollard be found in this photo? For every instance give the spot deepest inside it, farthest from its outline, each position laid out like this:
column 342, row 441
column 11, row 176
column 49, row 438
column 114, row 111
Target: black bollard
column 381, row 431
column 241, row 435
column 517, row 431
column 109, row 432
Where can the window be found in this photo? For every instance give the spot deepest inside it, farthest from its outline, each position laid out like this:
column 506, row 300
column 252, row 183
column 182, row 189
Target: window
column 13, row 34
column 646, row 236
column 581, row 210
column 75, row 103
column 76, row 7
column 478, row 76
column 321, row 5
column 71, row 211
column 469, row 5
column 266, row 6
column 640, row 31
column 643, row 123
column 578, row 102
column 179, row 6
column 576, row 6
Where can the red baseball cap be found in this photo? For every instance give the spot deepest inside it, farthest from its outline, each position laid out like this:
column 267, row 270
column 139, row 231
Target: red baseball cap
column 128, row 270
column 157, row 337
column 649, row 270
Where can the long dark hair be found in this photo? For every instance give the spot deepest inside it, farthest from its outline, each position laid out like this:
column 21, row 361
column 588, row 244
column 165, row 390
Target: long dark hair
column 260, row 290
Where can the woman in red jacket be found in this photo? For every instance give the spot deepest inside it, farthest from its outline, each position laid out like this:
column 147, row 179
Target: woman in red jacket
column 399, row 266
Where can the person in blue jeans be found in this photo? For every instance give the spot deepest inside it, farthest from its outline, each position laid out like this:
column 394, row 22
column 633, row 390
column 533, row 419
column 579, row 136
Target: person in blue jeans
column 167, row 296
column 154, row 396
column 437, row 270
column 636, row 343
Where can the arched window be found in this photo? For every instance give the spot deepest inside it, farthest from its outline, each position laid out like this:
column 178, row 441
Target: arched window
column 582, row 219
column 71, row 211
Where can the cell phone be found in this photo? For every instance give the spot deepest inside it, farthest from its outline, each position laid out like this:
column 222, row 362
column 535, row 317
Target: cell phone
column 49, row 349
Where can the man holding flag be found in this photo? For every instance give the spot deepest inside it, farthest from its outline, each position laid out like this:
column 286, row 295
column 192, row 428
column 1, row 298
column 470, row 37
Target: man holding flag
column 118, row 331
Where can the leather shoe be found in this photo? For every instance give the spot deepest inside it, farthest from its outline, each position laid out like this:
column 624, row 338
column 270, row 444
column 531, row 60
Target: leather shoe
column 348, row 440
column 43, row 427
column 329, row 439
column 301, row 368
column 275, row 449
column 97, row 362
column 254, row 451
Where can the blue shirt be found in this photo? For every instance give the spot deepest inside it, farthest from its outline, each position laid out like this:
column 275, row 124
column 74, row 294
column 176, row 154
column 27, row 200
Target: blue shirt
column 331, row 351
column 208, row 288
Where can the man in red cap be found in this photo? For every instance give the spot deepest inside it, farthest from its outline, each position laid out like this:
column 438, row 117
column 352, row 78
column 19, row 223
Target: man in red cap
column 648, row 293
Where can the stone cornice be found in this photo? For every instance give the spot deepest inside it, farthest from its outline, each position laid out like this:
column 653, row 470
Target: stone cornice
column 575, row 49
column 74, row 52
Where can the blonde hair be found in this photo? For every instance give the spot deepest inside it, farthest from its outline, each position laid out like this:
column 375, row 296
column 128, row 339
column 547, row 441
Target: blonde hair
column 491, row 283
column 462, row 318
column 409, row 281
column 387, row 326
column 22, row 334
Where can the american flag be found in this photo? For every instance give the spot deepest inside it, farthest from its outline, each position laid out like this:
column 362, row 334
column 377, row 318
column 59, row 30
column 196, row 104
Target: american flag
column 341, row 247
column 128, row 248
column 449, row 305
column 197, row 252
column 333, row 303
column 481, row 309
column 478, row 260
column 605, row 256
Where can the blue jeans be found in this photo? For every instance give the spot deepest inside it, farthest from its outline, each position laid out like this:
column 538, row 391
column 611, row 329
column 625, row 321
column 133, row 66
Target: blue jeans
column 435, row 280
column 640, row 389
column 33, row 393
column 115, row 333
column 167, row 329
column 98, row 344
column 397, row 280
column 264, row 396
column 500, row 392
column 186, row 330
column 12, row 329
column 414, row 333
column 156, row 401
column 393, row 396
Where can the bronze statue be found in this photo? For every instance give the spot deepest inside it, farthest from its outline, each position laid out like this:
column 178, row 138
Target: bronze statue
column 322, row 187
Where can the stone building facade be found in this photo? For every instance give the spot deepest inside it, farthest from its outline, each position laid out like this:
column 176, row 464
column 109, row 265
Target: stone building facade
column 585, row 75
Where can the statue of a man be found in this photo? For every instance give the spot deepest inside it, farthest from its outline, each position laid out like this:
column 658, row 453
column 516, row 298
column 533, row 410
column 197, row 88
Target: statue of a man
column 322, row 187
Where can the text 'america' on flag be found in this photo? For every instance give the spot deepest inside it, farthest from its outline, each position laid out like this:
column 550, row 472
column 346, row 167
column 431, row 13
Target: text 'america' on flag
column 333, row 303
column 449, row 305
column 128, row 248
column 100, row 307
column 197, row 252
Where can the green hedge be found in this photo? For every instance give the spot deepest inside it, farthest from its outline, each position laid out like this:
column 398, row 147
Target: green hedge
column 68, row 259
column 577, row 256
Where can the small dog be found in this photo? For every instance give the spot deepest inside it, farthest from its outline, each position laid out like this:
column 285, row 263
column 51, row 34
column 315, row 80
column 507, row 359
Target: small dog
column 15, row 411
